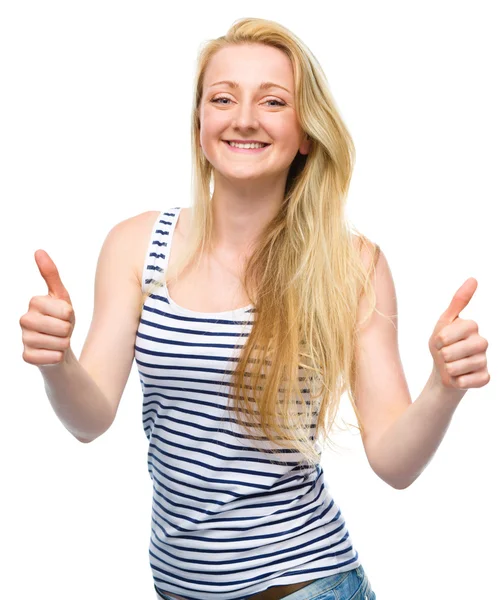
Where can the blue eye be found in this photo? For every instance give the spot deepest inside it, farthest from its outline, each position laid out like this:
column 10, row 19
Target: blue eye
column 215, row 101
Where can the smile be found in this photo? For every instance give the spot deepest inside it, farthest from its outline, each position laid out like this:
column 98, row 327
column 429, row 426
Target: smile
column 247, row 148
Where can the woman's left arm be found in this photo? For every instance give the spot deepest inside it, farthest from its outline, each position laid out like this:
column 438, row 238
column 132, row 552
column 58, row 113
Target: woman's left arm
column 402, row 436
column 459, row 354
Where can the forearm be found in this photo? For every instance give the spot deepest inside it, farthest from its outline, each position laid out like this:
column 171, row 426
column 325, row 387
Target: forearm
column 409, row 444
column 76, row 399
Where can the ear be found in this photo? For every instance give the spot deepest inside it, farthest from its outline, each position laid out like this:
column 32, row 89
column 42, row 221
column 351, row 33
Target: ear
column 305, row 145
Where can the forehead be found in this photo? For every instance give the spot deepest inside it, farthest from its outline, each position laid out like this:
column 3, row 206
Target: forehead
column 250, row 63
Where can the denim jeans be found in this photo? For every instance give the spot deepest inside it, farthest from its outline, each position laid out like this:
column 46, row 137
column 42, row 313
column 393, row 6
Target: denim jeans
column 350, row 585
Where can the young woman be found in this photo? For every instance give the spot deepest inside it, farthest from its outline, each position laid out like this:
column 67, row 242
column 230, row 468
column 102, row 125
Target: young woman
column 249, row 314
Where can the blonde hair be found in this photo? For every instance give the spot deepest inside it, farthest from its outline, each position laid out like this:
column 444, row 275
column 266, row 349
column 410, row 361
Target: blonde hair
column 305, row 276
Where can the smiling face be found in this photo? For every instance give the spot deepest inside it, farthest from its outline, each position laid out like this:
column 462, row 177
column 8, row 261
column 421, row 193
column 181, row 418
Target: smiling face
column 246, row 112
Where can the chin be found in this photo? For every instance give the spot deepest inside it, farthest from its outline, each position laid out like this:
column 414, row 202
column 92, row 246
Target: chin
column 246, row 176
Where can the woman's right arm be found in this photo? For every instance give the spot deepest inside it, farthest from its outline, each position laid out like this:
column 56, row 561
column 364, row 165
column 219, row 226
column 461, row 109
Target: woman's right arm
column 85, row 393
column 76, row 399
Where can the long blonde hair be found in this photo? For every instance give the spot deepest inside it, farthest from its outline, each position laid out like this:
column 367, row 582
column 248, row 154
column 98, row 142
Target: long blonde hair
column 306, row 275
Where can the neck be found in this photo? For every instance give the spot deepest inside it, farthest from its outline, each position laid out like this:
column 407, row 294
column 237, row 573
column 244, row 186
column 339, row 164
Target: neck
column 241, row 213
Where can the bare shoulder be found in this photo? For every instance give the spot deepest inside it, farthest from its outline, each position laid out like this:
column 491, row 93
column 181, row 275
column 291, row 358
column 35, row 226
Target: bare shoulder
column 377, row 267
column 133, row 235
column 137, row 232
column 370, row 251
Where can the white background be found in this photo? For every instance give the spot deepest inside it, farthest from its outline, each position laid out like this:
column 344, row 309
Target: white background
column 95, row 128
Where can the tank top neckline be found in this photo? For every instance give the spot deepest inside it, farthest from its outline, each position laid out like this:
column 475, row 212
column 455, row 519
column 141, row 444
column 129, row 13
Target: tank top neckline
column 188, row 311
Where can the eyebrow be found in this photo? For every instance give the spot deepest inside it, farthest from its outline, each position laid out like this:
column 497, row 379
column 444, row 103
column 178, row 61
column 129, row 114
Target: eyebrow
column 263, row 86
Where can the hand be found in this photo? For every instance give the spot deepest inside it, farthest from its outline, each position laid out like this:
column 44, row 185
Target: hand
column 48, row 325
column 459, row 352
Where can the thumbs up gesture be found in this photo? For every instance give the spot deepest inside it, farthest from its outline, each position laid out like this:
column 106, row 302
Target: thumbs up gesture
column 48, row 325
column 459, row 352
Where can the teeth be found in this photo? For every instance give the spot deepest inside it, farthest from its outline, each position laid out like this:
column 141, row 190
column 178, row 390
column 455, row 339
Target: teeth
column 235, row 145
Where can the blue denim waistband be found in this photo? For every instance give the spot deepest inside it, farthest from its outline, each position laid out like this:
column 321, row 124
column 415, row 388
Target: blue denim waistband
column 325, row 584
column 317, row 587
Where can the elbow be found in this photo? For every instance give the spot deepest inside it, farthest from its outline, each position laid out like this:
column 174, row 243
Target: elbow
column 396, row 485
column 393, row 482
column 82, row 439
column 88, row 440
column 400, row 486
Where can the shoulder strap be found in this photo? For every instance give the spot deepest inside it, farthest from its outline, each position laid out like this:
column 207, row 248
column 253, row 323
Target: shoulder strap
column 159, row 248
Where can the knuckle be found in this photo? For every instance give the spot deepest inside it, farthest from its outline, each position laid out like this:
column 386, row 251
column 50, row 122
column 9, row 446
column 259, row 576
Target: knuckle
column 450, row 369
column 442, row 338
column 29, row 357
column 35, row 303
column 461, row 382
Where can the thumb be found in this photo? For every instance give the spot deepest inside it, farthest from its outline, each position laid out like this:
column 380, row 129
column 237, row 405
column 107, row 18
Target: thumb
column 460, row 300
column 49, row 272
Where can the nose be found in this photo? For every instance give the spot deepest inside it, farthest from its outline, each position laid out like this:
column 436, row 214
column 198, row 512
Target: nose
column 245, row 116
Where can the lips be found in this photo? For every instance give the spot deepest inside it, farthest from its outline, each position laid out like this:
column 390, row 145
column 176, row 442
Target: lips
column 250, row 142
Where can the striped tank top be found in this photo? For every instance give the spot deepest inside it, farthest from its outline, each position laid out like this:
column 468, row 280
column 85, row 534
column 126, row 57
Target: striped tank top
column 226, row 522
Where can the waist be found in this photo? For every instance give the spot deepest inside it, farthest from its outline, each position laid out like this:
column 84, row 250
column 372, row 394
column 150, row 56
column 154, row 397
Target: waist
column 272, row 593
column 279, row 591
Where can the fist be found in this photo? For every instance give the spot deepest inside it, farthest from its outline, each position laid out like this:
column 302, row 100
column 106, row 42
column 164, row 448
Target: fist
column 459, row 352
column 48, row 325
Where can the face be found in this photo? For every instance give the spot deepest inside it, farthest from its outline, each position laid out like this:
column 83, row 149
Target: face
column 246, row 112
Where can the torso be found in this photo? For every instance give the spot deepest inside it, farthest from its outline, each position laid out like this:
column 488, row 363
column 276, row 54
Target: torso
column 222, row 291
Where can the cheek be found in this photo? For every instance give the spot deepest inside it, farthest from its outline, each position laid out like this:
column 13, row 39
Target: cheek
column 210, row 133
column 283, row 127
column 212, row 122
column 206, row 134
